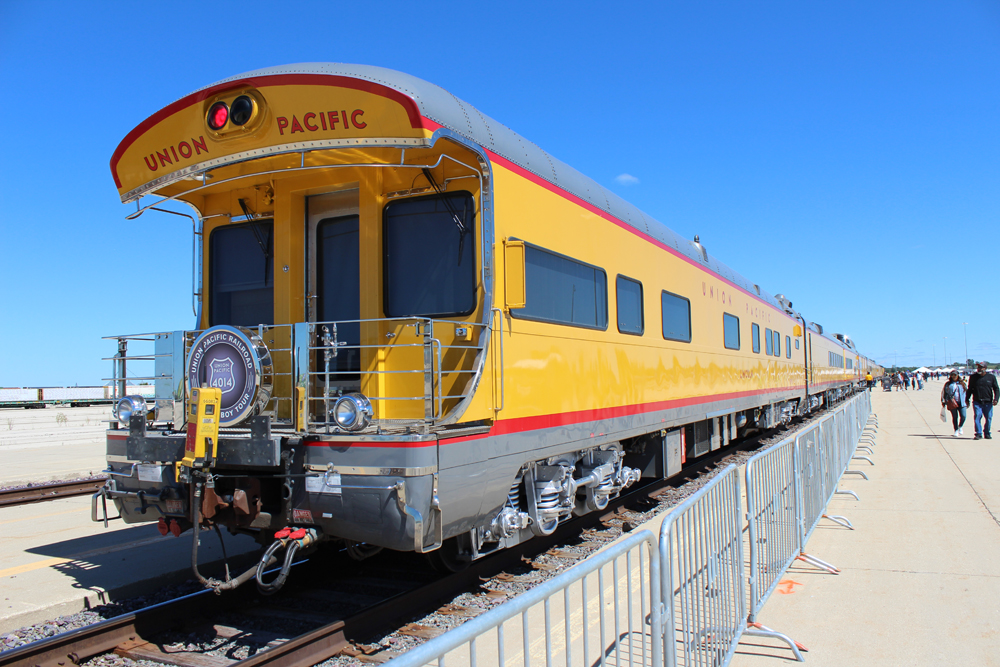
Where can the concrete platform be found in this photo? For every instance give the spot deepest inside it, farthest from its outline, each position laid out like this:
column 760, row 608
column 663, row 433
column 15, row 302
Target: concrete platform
column 53, row 443
column 54, row 560
column 920, row 574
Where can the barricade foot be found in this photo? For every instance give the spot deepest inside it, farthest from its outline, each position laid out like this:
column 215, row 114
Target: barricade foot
column 821, row 564
column 855, row 472
column 841, row 520
column 755, row 629
column 865, row 458
column 848, row 493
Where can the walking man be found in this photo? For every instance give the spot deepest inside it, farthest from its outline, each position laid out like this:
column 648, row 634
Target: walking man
column 984, row 394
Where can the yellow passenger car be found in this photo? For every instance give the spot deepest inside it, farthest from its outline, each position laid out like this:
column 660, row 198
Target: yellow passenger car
column 424, row 331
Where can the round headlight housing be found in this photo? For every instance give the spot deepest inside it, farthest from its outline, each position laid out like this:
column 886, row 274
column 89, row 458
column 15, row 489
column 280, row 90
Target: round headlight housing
column 128, row 406
column 218, row 116
column 352, row 412
column 242, row 110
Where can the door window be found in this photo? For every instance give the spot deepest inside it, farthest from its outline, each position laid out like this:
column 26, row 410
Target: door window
column 241, row 274
column 338, row 288
column 430, row 261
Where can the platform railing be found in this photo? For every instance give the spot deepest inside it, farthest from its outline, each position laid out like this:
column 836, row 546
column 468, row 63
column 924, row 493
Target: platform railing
column 702, row 586
column 441, row 366
column 604, row 610
column 773, row 519
column 697, row 568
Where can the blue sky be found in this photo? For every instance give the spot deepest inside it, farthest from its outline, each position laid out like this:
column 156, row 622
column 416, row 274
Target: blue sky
column 845, row 154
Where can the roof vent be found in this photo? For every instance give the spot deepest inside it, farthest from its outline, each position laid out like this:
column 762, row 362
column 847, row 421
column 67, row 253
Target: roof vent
column 700, row 248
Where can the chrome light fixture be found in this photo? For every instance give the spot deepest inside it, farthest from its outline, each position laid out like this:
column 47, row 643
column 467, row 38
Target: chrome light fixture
column 128, row 406
column 352, row 412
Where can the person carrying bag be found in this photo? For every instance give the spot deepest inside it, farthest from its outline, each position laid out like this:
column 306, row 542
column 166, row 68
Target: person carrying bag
column 953, row 398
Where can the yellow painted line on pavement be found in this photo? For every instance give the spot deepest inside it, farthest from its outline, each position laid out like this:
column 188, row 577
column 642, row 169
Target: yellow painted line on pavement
column 52, row 562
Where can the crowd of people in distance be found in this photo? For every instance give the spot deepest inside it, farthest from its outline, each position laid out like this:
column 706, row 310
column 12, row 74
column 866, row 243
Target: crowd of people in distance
column 982, row 392
column 904, row 380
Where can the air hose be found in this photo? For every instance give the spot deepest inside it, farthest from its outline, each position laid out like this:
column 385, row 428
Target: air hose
column 291, row 540
column 214, row 584
column 279, row 581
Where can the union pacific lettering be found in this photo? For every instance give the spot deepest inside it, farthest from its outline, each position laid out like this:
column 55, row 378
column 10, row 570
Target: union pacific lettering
column 172, row 154
column 758, row 313
column 324, row 120
column 717, row 293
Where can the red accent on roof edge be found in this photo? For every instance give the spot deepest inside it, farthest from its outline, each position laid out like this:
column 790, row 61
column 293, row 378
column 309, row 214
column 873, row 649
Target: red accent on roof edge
column 407, row 102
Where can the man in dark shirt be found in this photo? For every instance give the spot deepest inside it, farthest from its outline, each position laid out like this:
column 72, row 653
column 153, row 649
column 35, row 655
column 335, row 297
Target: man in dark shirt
column 984, row 394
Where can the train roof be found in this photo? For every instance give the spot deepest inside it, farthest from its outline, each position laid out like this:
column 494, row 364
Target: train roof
column 459, row 116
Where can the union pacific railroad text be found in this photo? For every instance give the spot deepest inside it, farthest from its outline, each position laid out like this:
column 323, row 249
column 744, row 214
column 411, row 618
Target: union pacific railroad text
column 324, row 120
column 172, row 154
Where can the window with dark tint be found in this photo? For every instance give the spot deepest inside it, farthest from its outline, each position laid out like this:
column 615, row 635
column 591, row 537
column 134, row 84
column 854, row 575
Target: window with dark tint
column 777, row 344
column 677, row 318
column 731, row 331
column 788, row 346
column 430, row 261
column 241, row 274
column 755, row 337
column 768, row 342
column 562, row 290
column 339, row 288
column 628, row 294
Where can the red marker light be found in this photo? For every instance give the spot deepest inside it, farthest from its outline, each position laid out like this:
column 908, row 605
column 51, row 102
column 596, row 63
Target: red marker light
column 218, row 115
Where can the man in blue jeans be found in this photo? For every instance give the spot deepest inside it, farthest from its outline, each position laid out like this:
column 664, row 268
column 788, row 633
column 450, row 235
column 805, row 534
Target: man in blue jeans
column 984, row 394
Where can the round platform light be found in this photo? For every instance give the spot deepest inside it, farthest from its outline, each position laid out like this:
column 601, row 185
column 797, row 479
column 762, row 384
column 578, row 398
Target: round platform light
column 130, row 405
column 242, row 110
column 352, row 412
column 218, row 114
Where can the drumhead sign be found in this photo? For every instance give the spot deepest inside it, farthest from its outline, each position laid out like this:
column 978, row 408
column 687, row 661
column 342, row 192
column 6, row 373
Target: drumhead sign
column 230, row 360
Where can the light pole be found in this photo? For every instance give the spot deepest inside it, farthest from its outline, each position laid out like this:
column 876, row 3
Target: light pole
column 966, row 332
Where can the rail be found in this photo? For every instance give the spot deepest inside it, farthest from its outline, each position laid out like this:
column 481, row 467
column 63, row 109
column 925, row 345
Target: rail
column 37, row 493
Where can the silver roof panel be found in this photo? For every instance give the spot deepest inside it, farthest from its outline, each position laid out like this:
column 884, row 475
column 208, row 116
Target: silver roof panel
column 444, row 108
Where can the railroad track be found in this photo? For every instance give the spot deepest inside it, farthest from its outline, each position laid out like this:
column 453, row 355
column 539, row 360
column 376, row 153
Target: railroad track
column 41, row 492
column 328, row 605
column 315, row 617
column 243, row 622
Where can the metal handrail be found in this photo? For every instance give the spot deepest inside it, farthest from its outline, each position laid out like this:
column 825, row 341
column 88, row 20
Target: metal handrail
column 285, row 356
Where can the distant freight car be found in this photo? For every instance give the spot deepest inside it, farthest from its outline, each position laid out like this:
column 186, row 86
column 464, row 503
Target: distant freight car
column 39, row 397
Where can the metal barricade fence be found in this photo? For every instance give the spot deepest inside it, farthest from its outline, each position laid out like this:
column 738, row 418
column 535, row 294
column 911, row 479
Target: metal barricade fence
column 696, row 569
column 703, row 589
column 565, row 621
column 773, row 521
column 788, row 487
column 809, row 464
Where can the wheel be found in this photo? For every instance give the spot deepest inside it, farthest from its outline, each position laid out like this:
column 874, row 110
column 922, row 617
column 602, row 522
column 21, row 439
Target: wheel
column 449, row 558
